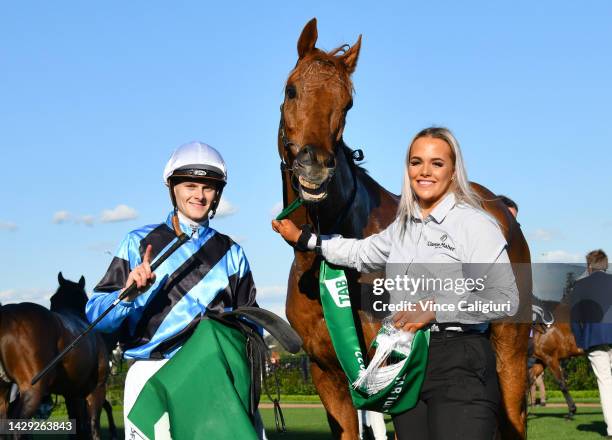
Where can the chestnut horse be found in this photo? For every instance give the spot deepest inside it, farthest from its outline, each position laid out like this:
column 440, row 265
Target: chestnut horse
column 340, row 197
column 31, row 336
column 553, row 344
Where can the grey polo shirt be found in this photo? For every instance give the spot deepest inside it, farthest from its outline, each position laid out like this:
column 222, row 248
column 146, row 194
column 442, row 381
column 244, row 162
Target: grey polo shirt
column 454, row 241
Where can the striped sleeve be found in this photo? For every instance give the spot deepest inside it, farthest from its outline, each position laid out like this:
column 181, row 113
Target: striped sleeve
column 108, row 289
column 244, row 290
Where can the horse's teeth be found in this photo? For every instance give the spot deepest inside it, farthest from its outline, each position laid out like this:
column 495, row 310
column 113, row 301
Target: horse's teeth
column 306, row 184
column 316, row 196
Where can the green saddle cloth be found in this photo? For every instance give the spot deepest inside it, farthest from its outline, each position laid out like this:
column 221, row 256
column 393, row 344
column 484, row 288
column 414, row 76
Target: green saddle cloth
column 203, row 391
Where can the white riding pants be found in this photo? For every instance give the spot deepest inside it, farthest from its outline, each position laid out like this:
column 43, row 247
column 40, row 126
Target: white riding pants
column 601, row 361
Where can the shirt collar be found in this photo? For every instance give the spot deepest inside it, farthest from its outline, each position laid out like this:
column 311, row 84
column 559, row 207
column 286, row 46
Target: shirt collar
column 188, row 226
column 441, row 209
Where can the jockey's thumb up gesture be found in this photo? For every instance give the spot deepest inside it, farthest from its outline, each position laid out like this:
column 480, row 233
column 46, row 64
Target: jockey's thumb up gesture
column 142, row 275
column 287, row 229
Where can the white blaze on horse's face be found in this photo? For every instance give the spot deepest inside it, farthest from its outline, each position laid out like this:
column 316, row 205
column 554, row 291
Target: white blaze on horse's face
column 194, row 199
column 431, row 169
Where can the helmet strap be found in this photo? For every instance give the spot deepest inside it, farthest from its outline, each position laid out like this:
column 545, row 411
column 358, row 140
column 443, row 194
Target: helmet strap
column 176, row 224
column 215, row 203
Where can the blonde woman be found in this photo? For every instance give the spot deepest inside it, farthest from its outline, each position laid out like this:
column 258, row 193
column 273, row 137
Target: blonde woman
column 440, row 231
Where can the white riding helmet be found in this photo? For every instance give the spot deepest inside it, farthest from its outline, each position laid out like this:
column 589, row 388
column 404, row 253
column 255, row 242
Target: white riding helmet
column 197, row 160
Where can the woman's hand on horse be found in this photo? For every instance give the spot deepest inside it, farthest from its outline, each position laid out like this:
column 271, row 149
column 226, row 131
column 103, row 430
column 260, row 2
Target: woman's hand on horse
column 142, row 275
column 287, row 229
column 411, row 321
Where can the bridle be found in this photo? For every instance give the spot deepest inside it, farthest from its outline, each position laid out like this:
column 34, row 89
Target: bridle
column 289, row 172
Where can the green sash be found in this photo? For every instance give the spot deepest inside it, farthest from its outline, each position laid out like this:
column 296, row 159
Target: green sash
column 402, row 393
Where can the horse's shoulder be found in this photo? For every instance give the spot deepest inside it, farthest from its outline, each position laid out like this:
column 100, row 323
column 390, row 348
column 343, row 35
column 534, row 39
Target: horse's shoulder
column 70, row 322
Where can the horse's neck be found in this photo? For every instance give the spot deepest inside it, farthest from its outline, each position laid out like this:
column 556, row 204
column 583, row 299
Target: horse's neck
column 356, row 195
column 352, row 197
column 68, row 311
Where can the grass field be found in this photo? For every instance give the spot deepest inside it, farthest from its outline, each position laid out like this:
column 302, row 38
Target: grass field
column 310, row 424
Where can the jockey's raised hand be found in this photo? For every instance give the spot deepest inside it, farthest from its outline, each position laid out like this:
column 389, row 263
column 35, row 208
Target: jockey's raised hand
column 142, row 275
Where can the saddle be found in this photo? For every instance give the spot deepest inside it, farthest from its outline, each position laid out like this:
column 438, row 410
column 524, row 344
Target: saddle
column 541, row 319
column 246, row 320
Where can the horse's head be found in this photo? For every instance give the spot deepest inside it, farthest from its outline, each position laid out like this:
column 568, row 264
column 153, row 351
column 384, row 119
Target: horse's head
column 69, row 295
column 318, row 95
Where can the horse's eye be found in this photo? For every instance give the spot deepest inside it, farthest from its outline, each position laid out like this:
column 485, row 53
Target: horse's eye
column 349, row 105
column 290, row 91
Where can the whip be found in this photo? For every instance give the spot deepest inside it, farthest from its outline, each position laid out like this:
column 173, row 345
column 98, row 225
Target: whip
column 182, row 239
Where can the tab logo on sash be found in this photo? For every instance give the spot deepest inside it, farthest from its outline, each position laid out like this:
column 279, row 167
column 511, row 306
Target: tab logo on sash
column 338, row 289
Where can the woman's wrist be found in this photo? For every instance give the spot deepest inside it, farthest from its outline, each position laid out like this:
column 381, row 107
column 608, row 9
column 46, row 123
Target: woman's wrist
column 308, row 240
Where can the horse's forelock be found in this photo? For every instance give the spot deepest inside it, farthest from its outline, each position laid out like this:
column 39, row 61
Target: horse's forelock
column 320, row 66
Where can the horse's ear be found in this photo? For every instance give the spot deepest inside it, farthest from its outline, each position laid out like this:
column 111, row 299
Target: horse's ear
column 308, row 38
column 350, row 57
column 60, row 278
column 82, row 282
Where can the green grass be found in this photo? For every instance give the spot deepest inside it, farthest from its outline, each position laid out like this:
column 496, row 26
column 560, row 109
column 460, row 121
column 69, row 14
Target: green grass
column 311, row 424
column 584, row 396
column 550, row 424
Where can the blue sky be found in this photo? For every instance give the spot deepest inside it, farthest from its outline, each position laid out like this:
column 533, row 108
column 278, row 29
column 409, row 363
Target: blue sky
column 93, row 99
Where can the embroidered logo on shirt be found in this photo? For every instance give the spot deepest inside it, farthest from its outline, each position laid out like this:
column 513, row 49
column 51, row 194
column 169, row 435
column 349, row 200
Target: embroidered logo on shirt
column 441, row 243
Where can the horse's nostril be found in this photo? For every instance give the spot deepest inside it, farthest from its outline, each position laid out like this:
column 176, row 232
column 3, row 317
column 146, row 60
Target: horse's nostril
column 331, row 163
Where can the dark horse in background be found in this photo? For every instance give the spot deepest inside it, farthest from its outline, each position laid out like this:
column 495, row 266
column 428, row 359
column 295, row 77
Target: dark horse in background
column 553, row 344
column 31, row 336
column 342, row 198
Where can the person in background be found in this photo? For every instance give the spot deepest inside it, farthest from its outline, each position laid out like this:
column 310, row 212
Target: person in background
column 591, row 316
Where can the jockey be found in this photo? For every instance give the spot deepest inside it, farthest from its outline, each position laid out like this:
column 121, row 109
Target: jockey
column 208, row 273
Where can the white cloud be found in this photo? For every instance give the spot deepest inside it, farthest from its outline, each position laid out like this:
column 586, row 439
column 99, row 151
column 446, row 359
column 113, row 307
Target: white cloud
column 9, row 226
column 276, row 209
column 226, row 208
column 271, row 293
column 61, row 217
column 35, row 295
column 87, row 219
column 118, row 214
column 544, row 235
column 559, row 256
